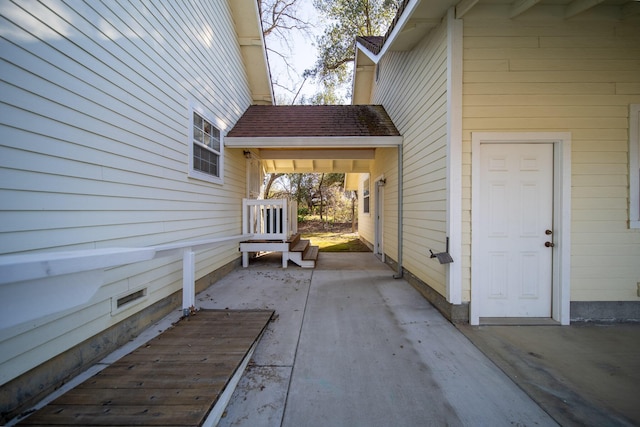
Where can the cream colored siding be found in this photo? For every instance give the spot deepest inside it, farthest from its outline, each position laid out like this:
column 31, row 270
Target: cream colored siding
column 385, row 164
column 389, row 158
column 94, row 134
column 412, row 88
column 542, row 73
column 634, row 166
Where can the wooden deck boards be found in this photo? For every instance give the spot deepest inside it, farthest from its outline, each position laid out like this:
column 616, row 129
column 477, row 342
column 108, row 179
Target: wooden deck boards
column 173, row 380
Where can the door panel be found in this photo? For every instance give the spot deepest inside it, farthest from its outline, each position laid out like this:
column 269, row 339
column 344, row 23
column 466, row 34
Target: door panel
column 379, row 211
column 516, row 208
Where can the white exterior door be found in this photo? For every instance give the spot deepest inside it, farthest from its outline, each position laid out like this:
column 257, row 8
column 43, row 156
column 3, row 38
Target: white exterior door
column 515, row 230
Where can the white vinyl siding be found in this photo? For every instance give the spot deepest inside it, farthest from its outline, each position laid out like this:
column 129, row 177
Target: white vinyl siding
column 543, row 73
column 634, row 166
column 94, row 147
column 412, row 89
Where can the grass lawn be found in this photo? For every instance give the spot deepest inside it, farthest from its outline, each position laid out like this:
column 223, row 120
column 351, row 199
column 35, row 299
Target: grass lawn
column 331, row 237
column 332, row 242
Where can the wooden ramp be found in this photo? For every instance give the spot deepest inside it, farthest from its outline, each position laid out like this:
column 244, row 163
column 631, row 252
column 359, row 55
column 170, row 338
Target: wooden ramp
column 175, row 379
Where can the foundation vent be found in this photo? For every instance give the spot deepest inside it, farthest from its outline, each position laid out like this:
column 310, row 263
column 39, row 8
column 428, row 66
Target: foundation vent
column 131, row 297
column 124, row 301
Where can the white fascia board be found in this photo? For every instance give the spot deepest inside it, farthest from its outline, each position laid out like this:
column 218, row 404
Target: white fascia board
column 251, row 40
column 406, row 14
column 265, row 58
column 366, row 52
column 313, row 141
column 375, row 58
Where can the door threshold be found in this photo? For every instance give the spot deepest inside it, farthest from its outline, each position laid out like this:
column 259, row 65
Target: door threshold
column 518, row 321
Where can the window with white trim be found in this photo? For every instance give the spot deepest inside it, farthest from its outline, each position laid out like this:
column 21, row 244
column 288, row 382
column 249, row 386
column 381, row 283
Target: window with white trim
column 634, row 166
column 206, row 149
column 366, row 196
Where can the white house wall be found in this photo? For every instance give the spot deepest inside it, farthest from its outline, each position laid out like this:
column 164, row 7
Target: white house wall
column 412, row 88
column 542, row 73
column 94, row 147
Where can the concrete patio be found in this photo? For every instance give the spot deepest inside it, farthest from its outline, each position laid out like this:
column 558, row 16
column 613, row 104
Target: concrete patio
column 351, row 346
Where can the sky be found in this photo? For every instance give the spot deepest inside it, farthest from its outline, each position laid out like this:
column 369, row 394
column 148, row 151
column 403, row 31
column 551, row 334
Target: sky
column 302, row 56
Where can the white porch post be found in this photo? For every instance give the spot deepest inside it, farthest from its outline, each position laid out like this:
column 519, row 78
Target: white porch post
column 188, row 281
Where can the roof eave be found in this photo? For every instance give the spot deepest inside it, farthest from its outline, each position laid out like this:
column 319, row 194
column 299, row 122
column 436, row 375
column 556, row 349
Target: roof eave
column 364, row 71
column 417, row 19
column 314, row 141
column 409, row 29
column 246, row 16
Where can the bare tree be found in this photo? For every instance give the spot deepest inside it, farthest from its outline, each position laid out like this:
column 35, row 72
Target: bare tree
column 346, row 19
column 280, row 17
column 280, row 20
column 270, row 181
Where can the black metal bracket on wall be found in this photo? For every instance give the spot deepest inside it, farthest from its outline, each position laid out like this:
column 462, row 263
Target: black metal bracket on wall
column 443, row 257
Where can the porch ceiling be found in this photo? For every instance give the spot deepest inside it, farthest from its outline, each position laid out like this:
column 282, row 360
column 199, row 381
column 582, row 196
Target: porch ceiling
column 316, row 166
column 316, row 160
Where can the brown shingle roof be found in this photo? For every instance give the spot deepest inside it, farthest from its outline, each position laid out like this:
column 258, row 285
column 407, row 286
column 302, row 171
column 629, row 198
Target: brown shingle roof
column 314, row 121
column 375, row 43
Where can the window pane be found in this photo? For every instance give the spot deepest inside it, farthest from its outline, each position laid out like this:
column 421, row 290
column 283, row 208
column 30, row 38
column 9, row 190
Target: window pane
column 365, row 196
column 197, row 121
column 215, row 139
column 214, row 143
column 197, row 135
column 205, row 161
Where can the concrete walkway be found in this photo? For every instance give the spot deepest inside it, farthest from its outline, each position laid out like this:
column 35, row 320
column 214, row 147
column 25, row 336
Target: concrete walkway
column 586, row 374
column 351, row 346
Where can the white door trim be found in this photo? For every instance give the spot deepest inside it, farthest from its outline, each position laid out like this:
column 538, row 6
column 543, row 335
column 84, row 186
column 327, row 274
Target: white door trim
column 560, row 299
column 378, row 219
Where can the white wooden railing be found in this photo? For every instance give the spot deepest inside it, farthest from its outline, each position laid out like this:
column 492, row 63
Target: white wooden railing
column 36, row 285
column 269, row 219
column 40, row 284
